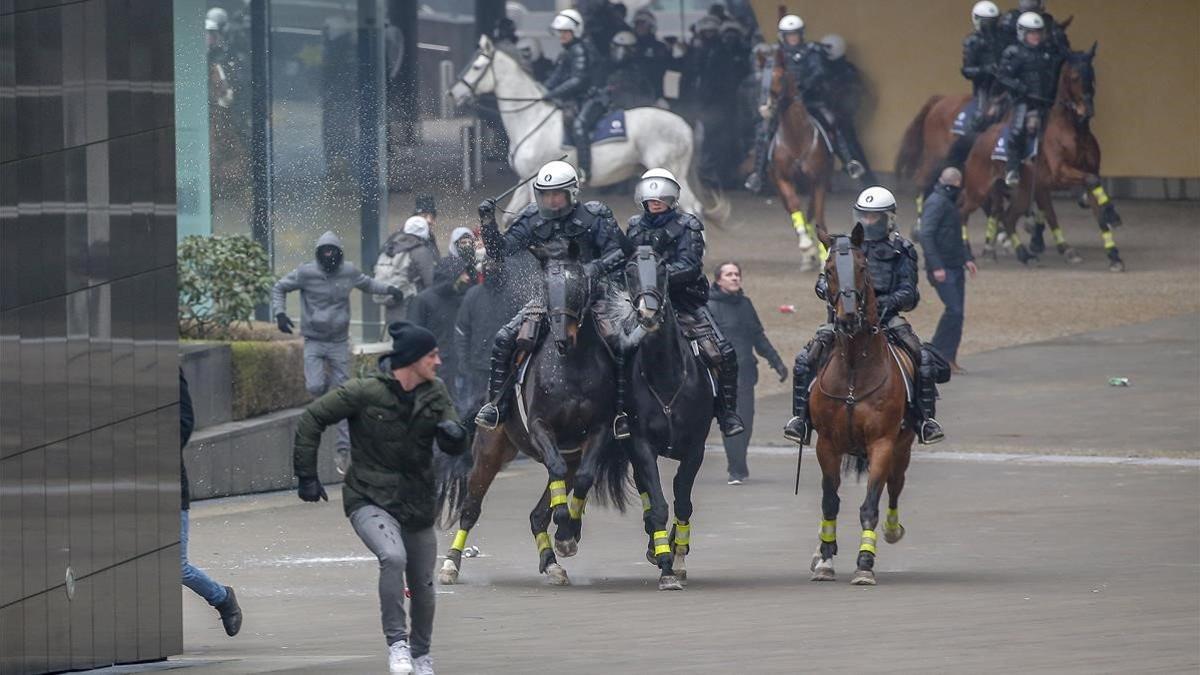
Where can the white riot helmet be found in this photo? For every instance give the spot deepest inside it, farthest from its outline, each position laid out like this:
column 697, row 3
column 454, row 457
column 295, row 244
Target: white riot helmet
column 835, row 46
column 984, row 11
column 529, row 49
column 568, row 19
column 872, row 203
column 216, row 19
column 1030, row 5
column 644, row 15
column 1029, row 22
column 658, row 184
column 552, row 177
column 622, row 45
column 791, row 24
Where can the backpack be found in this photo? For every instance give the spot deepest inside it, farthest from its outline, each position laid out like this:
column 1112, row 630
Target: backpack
column 393, row 271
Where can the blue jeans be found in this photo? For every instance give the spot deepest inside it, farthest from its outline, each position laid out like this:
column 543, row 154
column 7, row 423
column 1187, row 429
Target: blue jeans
column 194, row 577
column 953, row 293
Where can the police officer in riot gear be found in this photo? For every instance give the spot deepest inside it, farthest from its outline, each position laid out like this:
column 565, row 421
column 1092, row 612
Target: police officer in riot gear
column 557, row 216
column 682, row 251
column 892, row 261
column 571, row 82
column 1055, row 36
column 981, row 59
column 628, row 86
column 1028, row 72
column 650, row 54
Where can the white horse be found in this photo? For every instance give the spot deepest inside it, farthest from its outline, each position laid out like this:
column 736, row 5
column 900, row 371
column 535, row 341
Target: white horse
column 655, row 137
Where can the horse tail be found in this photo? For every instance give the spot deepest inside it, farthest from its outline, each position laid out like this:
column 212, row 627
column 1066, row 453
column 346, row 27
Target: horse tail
column 856, row 463
column 452, row 472
column 913, row 143
column 713, row 204
column 613, row 479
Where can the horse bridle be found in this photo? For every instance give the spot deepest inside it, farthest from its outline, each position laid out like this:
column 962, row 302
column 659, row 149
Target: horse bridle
column 644, row 291
column 529, row 102
column 852, row 300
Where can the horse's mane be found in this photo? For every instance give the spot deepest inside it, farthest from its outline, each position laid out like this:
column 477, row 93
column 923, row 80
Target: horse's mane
column 505, row 51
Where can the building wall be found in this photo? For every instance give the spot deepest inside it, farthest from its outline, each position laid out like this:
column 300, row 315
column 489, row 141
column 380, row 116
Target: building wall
column 1147, row 70
column 89, row 462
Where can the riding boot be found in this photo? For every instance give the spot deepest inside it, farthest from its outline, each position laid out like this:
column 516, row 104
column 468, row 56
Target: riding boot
column 930, row 431
column 798, row 429
column 727, row 383
column 620, row 426
column 857, row 167
column 495, row 410
column 1012, row 174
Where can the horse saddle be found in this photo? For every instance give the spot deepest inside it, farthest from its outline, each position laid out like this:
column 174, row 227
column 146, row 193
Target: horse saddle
column 908, row 370
column 1000, row 152
column 610, row 127
column 823, row 130
column 962, row 121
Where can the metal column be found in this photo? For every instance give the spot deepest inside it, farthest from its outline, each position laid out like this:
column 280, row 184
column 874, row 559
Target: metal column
column 372, row 144
column 260, row 139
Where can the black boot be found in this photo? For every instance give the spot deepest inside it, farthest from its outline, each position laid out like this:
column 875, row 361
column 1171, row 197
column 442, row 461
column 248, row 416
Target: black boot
column 930, row 430
column 583, row 149
column 727, row 381
column 754, row 182
column 495, row 410
column 799, row 429
column 621, row 421
column 231, row 613
column 1012, row 176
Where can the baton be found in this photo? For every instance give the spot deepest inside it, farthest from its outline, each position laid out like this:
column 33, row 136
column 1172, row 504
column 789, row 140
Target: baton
column 799, row 457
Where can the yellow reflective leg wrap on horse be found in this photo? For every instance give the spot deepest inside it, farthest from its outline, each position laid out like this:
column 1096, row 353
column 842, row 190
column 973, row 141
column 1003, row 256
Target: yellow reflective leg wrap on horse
column 1039, row 217
column 966, row 237
column 575, row 507
column 1059, row 237
column 993, row 226
column 799, row 222
column 891, row 523
column 868, row 541
column 460, row 541
column 645, row 501
column 558, row 493
column 543, row 541
column 920, row 205
column 661, row 543
column 1100, row 195
column 1108, row 239
column 683, row 533
column 828, row 531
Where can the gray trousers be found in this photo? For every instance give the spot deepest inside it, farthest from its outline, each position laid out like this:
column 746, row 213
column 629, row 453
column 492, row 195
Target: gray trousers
column 736, row 446
column 401, row 552
column 326, row 367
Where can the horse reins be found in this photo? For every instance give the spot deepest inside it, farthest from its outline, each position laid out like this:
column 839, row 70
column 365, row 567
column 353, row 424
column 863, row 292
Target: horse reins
column 530, row 102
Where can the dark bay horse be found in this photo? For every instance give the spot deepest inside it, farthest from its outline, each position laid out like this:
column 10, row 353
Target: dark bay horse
column 857, row 407
column 672, row 402
column 1068, row 158
column 800, row 162
column 565, row 402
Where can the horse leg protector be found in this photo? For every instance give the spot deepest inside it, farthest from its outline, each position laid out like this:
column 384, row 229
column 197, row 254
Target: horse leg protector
column 621, row 421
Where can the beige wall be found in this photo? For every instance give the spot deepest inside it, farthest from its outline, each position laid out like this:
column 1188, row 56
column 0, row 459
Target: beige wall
column 1147, row 70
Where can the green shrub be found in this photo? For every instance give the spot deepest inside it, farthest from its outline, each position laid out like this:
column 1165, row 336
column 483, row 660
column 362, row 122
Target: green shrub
column 221, row 279
column 267, row 376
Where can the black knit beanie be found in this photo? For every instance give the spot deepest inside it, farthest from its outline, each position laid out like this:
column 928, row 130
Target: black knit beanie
column 410, row 343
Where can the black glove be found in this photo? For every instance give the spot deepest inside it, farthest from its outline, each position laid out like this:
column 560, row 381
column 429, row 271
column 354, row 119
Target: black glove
column 781, row 370
column 285, row 324
column 450, row 433
column 395, row 292
column 487, row 210
column 311, row 490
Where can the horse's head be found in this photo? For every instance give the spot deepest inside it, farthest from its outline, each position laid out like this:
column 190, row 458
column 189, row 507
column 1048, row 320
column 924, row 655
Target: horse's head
column 646, row 279
column 849, row 290
column 568, row 293
column 480, row 76
column 1077, row 84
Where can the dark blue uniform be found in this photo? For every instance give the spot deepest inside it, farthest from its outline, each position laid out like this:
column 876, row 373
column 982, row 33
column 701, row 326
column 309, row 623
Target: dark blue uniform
column 1029, row 75
column 571, row 82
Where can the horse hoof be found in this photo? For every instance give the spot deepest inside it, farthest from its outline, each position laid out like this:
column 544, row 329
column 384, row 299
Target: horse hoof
column 669, row 582
column 558, row 575
column 863, row 578
column 566, row 547
column 1072, row 257
column 448, row 576
column 989, row 251
column 822, row 570
column 1116, row 266
column 893, row 535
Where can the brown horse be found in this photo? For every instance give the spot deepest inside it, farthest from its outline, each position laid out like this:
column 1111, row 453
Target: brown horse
column 857, row 408
column 1068, row 158
column 800, row 162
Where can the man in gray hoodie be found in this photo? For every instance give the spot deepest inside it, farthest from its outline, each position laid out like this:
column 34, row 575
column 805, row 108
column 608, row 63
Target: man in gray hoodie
column 324, row 286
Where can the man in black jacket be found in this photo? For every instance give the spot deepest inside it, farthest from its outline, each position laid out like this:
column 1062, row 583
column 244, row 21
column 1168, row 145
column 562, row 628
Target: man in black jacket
column 947, row 261
column 220, row 598
column 436, row 307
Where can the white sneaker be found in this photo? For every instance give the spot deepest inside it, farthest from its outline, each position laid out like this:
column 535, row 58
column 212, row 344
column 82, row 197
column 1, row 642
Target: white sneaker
column 423, row 665
column 399, row 658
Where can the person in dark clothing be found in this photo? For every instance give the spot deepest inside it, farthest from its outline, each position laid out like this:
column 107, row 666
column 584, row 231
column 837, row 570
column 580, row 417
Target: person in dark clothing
column 407, row 260
column 714, row 70
column 219, row 597
column 651, row 55
column 981, row 60
column 737, row 319
column 1056, row 37
column 628, row 85
column 530, row 51
column 1028, row 71
column 389, row 495
column 947, row 261
column 573, row 84
column 485, row 309
column 436, row 308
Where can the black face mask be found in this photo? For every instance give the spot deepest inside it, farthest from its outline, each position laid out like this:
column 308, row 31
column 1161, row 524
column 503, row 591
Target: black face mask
column 329, row 258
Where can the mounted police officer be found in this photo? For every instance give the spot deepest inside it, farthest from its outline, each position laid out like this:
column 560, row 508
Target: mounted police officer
column 1028, row 72
column 1056, row 37
column 571, row 83
column 679, row 237
column 892, row 261
column 628, row 86
column 981, row 60
column 807, row 63
column 556, row 222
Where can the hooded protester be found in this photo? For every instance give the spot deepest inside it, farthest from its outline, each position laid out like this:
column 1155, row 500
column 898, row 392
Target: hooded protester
column 406, row 260
column 389, row 494
column 436, row 308
column 485, row 309
column 324, row 286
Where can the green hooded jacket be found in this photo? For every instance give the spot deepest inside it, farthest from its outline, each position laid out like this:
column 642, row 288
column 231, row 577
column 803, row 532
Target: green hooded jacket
column 391, row 444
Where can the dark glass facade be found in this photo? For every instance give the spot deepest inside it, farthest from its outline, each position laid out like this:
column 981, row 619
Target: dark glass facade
column 89, row 462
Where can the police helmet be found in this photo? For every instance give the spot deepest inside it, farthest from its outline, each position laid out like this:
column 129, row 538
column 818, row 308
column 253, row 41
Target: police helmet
column 835, row 46
column 984, row 11
column 568, row 19
column 870, row 204
column 644, row 15
column 791, row 24
column 216, row 19
column 621, row 45
column 1031, row 5
column 658, row 184
column 1029, row 22
column 555, row 176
